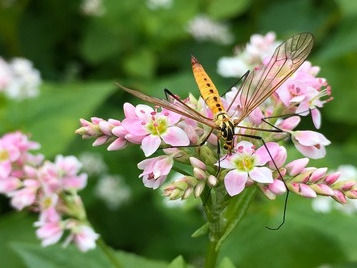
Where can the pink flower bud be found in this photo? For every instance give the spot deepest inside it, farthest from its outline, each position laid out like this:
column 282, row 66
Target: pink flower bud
column 332, row 178
column 197, row 163
column 106, row 128
column 351, row 194
column 307, row 191
column 117, row 144
column 347, row 185
column 199, row 173
column 100, row 141
column 277, row 187
column 187, row 193
column 340, row 197
column 322, row 189
column 297, row 166
column 317, row 174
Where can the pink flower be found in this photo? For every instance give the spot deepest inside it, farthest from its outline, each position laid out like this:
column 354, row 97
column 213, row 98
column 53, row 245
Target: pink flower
column 155, row 170
column 310, row 143
column 50, row 232
column 297, row 166
column 25, row 196
column 85, row 237
column 245, row 163
column 155, row 126
column 277, row 152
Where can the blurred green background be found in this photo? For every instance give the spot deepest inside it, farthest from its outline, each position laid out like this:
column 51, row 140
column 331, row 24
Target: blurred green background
column 80, row 56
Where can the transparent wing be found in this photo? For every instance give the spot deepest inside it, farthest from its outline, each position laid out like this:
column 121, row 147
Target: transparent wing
column 265, row 79
column 179, row 108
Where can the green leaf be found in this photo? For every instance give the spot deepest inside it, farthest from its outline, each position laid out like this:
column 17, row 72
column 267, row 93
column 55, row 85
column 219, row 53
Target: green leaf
column 140, row 64
column 15, row 227
column 201, row 231
column 35, row 256
column 129, row 260
column 223, row 9
column 53, row 117
column 226, row 263
column 348, row 7
column 342, row 42
column 235, row 211
column 178, row 262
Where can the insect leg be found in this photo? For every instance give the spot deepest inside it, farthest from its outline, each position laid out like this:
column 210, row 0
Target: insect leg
column 281, row 177
column 236, row 82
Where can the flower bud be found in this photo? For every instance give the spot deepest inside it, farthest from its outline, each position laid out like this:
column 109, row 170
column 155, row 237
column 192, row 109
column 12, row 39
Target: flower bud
column 187, row 193
column 100, row 141
column 175, row 194
column 304, row 176
column 297, row 166
column 340, row 197
column 352, row 194
column 199, row 174
column 197, row 163
column 332, row 178
column 212, row 180
column 277, row 187
column 267, row 192
column 199, row 189
column 322, row 189
column 307, row 191
column 317, row 174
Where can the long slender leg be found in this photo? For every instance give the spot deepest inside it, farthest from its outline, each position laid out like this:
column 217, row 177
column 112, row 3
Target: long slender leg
column 236, row 82
column 191, row 146
column 281, row 177
column 218, row 156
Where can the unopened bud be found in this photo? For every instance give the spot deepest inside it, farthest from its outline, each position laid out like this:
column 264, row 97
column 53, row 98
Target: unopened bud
column 197, row 163
column 332, row 178
column 352, row 194
column 340, row 197
column 199, row 174
column 175, row 194
column 212, row 180
column 207, row 155
column 307, row 191
column 199, row 189
column 187, row 193
column 322, row 189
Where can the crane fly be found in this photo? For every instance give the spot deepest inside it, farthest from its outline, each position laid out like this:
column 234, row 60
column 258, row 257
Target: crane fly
column 258, row 85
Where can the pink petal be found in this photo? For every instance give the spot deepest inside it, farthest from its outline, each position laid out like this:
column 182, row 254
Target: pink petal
column 245, row 147
column 311, row 151
column 262, row 154
column 297, row 166
column 261, row 174
column 134, row 126
column 235, row 181
column 310, row 138
column 316, row 117
column 143, row 111
column 277, row 187
column 290, row 123
column 175, row 136
column 119, row 131
column 129, row 110
column 118, row 144
column 227, row 161
column 256, row 116
column 150, row 144
column 172, row 117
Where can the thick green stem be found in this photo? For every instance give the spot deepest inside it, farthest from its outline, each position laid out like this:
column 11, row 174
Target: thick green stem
column 109, row 253
column 223, row 215
column 212, row 254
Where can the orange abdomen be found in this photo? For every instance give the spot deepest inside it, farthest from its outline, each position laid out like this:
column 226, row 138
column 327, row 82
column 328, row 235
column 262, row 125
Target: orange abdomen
column 208, row 90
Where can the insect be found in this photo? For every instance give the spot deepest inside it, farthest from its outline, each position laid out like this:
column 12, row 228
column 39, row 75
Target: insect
column 258, row 85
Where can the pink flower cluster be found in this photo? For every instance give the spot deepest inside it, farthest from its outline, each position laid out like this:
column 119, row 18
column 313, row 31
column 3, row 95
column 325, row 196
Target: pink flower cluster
column 250, row 162
column 48, row 188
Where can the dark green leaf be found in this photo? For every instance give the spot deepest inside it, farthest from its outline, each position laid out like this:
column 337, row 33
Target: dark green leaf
column 201, row 231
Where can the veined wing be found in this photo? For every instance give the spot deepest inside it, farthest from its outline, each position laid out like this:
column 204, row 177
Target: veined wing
column 264, row 80
column 179, row 109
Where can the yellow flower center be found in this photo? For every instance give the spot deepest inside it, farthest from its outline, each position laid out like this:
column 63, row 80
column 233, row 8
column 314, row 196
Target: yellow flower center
column 157, row 127
column 245, row 163
column 4, row 155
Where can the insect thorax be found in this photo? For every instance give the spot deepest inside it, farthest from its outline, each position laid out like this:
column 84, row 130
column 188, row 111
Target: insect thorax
column 226, row 127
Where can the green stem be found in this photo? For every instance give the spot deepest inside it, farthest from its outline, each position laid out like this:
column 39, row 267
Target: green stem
column 109, row 253
column 212, row 254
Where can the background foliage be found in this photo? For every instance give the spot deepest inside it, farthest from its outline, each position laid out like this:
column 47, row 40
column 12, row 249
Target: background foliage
column 81, row 56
